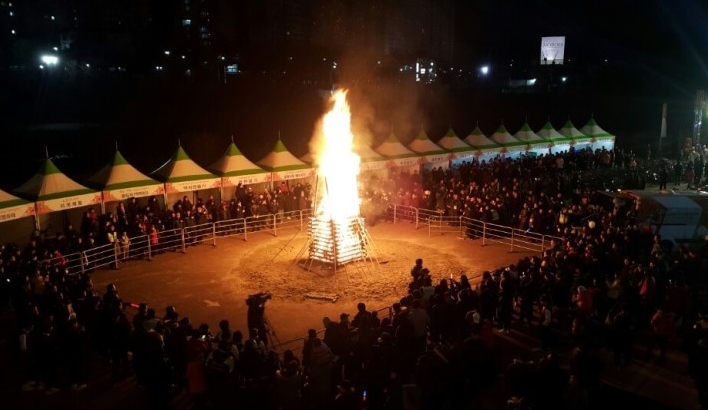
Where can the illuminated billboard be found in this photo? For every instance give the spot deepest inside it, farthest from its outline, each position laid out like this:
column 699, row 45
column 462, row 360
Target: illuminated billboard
column 552, row 49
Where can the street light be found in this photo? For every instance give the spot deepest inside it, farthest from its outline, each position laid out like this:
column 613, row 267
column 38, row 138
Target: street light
column 49, row 59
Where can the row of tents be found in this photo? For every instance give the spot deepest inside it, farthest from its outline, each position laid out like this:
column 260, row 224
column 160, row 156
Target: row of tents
column 51, row 191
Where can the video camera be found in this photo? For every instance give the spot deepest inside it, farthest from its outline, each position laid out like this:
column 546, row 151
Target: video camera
column 258, row 299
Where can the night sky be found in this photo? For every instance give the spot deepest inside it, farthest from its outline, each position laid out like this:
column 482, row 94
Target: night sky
column 656, row 52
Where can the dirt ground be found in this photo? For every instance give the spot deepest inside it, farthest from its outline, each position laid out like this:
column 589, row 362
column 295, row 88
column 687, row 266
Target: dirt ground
column 210, row 283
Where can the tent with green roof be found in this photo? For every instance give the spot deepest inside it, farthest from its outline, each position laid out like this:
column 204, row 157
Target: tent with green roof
column 370, row 159
column 535, row 144
column 396, row 153
column 580, row 140
column 234, row 168
column 284, row 166
column 119, row 181
column 53, row 191
column 559, row 142
column 16, row 217
column 429, row 152
column 600, row 138
column 458, row 149
column 485, row 148
column 307, row 158
column 12, row 207
column 512, row 147
column 181, row 174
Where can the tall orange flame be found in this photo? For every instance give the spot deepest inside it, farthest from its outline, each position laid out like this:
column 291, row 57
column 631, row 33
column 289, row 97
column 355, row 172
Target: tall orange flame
column 337, row 164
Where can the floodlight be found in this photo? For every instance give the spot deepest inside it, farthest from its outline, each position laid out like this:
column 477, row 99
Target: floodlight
column 49, row 59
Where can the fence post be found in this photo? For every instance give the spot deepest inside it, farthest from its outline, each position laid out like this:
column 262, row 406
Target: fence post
column 213, row 234
column 512, row 240
column 149, row 247
column 395, row 208
column 184, row 245
column 459, row 225
column 81, row 262
column 417, row 218
column 543, row 243
column 484, row 234
column 275, row 224
column 245, row 230
column 300, row 219
column 115, row 254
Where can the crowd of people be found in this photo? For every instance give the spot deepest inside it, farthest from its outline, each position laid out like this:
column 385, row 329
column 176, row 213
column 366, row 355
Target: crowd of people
column 604, row 285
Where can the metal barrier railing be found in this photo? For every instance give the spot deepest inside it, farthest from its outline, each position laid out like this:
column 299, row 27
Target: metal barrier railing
column 177, row 240
column 198, row 234
column 71, row 263
column 444, row 224
column 101, row 256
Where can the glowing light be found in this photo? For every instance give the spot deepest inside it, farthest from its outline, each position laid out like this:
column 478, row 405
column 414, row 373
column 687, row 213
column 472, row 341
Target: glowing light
column 484, row 70
column 49, row 59
column 337, row 163
column 338, row 234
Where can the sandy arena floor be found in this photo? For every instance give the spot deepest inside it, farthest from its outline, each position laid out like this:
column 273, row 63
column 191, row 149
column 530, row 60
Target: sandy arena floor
column 208, row 283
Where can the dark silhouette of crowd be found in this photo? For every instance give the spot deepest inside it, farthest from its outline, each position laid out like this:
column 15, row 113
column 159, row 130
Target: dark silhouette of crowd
column 606, row 283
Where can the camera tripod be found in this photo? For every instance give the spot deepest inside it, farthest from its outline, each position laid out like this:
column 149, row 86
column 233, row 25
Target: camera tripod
column 269, row 334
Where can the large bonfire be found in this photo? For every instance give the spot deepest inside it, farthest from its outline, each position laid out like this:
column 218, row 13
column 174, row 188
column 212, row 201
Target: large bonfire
column 337, row 233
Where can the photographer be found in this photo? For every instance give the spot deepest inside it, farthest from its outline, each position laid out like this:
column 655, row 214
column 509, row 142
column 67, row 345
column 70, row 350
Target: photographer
column 256, row 314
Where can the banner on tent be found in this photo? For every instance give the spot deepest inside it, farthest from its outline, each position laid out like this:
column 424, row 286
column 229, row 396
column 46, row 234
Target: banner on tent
column 293, row 174
column 246, row 179
column 70, row 202
column 462, row 155
column 403, row 162
column 372, row 166
column 133, row 192
column 16, row 212
column 189, row 186
column 514, row 148
column 435, row 159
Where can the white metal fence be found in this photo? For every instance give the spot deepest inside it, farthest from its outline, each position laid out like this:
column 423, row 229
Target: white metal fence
column 178, row 240
column 440, row 224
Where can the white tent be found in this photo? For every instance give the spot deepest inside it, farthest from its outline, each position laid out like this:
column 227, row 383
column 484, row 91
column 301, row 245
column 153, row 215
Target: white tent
column 52, row 191
column 396, row 153
column 580, row 140
column 12, row 207
column 180, row 175
column 16, row 217
column 535, row 144
column 485, row 148
column 119, row 181
column 234, row 168
column 511, row 147
column 459, row 150
column 599, row 138
column 429, row 152
column 283, row 165
column 370, row 159
column 558, row 141
column 307, row 158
